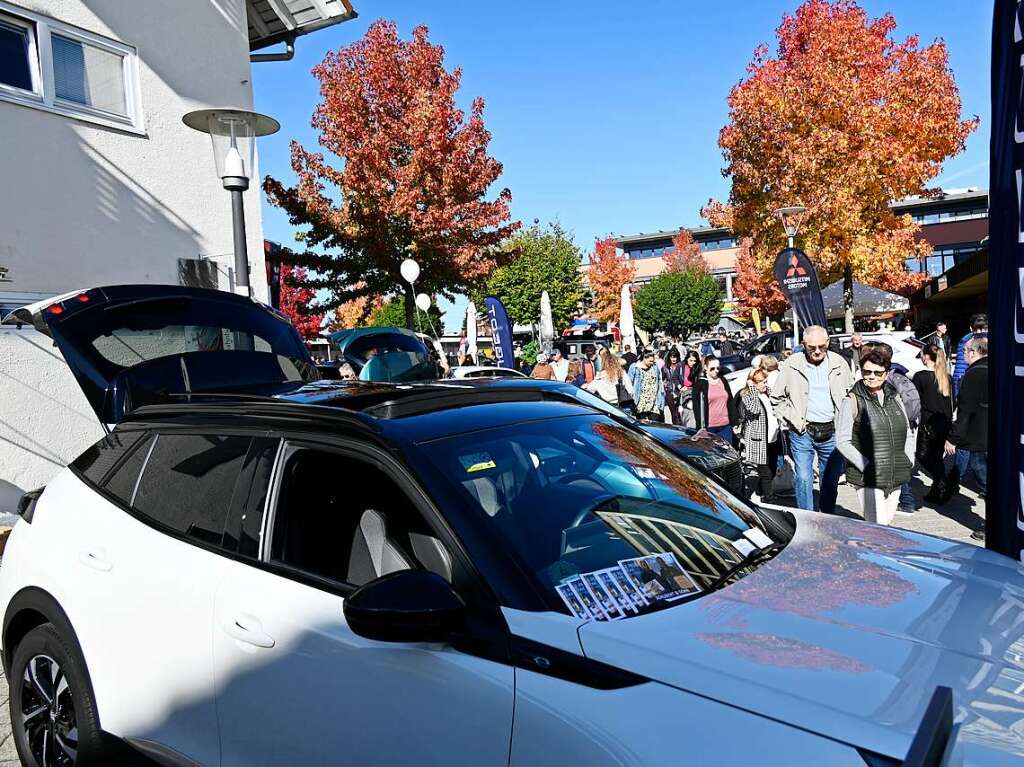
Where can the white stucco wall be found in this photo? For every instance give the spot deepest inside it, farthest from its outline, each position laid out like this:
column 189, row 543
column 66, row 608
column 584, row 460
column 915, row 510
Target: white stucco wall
column 83, row 205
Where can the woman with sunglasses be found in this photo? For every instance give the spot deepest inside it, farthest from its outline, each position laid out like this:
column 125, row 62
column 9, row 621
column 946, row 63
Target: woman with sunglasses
column 713, row 406
column 874, row 436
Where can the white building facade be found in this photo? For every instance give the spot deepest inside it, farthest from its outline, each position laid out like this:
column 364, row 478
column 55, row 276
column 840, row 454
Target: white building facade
column 102, row 183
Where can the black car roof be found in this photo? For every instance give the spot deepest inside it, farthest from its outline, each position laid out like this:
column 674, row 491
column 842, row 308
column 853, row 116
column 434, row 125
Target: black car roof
column 415, row 411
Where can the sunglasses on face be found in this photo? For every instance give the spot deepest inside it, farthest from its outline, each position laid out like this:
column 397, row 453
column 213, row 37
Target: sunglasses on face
column 873, row 373
column 816, row 347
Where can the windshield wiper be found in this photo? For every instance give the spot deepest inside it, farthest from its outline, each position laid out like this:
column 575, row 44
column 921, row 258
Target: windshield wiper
column 755, row 557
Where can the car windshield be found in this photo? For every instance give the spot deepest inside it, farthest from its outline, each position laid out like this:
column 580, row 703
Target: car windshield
column 394, row 357
column 582, row 497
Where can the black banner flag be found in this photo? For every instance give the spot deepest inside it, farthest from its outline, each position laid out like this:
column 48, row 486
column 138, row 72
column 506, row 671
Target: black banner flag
column 798, row 280
column 1004, row 518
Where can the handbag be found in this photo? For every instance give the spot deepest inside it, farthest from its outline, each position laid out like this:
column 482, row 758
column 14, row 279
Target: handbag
column 821, row 432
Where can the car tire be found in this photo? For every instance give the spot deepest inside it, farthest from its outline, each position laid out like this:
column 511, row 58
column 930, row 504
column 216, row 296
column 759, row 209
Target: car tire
column 52, row 708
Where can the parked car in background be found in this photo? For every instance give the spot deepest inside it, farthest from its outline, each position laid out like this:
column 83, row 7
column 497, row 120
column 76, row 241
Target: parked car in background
column 386, row 354
column 483, row 371
column 256, row 567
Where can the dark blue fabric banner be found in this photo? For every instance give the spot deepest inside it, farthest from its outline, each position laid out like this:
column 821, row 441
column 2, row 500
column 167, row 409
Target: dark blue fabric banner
column 501, row 332
column 798, row 280
column 1004, row 520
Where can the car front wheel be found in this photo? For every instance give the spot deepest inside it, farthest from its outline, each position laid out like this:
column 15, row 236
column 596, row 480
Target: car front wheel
column 53, row 713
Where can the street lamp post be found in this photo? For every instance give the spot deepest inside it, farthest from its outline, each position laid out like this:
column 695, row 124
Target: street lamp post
column 792, row 217
column 233, row 133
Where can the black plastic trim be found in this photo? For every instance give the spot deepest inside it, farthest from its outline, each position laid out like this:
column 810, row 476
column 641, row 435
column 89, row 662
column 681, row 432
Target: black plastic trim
column 550, row 661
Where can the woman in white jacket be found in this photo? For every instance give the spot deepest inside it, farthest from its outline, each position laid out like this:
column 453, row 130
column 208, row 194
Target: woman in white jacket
column 607, row 380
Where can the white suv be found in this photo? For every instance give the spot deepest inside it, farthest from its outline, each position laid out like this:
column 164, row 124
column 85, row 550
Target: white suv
column 259, row 568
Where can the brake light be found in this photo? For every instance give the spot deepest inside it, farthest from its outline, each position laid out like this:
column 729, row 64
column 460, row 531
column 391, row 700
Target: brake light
column 56, row 309
column 83, row 298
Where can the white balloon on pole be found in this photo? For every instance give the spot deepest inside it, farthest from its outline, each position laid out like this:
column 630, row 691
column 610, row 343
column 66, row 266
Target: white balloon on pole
column 410, row 270
column 423, row 302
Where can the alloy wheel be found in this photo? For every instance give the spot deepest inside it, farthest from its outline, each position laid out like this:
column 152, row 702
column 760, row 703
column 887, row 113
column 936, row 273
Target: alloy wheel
column 48, row 713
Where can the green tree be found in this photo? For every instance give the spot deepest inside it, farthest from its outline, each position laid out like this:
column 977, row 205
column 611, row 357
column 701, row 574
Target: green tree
column 542, row 258
column 392, row 314
column 678, row 303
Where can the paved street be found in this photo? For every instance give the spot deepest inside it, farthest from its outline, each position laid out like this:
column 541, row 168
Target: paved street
column 8, row 755
column 956, row 520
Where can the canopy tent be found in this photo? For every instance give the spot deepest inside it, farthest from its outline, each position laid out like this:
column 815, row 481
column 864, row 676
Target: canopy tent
column 730, row 325
column 866, row 301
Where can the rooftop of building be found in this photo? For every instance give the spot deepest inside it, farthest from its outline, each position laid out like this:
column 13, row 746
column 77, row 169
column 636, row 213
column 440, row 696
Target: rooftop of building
column 950, row 198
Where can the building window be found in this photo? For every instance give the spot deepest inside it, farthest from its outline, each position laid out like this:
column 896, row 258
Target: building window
column 719, row 243
column 52, row 66
column 17, row 52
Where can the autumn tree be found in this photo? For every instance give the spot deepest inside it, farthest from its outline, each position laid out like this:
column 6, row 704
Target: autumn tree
column 607, row 273
column 296, row 299
column 842, row 119
column 539, row 259
column 404, row 172
column 685, row 254
column 752, row 288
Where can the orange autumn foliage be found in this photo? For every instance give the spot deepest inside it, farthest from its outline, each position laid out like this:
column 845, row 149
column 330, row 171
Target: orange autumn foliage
column 685, row 254
column 404, row 172
column 608, row 272
column 842, row 119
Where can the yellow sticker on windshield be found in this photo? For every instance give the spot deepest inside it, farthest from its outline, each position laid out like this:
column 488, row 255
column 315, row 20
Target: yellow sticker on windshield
column 481, row 466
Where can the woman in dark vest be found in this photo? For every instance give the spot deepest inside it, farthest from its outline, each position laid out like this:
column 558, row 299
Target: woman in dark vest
column 875, row 438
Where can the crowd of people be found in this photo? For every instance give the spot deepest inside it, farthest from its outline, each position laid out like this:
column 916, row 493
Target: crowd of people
column 853, row 413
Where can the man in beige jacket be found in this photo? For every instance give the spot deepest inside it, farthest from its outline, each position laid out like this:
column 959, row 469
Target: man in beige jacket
column 807, row 397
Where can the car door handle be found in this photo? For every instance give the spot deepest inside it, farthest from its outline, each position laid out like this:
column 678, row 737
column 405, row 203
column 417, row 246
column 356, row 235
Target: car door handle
column 96, row 560
column 248, row 629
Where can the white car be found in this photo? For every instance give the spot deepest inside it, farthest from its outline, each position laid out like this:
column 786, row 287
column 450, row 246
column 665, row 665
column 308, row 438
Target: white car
column 256, row 567
column 483, row 371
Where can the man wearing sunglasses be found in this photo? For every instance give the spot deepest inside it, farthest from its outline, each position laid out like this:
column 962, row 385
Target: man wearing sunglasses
column 807, row 396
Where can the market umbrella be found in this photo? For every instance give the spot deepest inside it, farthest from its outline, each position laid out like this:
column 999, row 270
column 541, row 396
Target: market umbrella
column 471, row 331
column 866, row 301
column 547, row 325
column 626, row 318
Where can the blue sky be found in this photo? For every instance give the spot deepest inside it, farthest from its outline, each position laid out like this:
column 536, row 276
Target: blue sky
column 606, row 115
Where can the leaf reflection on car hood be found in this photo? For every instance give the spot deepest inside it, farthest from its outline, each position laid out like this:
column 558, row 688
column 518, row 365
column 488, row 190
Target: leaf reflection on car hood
column 847, row 632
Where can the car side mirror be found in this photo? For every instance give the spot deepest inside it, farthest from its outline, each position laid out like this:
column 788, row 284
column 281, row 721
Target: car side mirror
column 405, row 606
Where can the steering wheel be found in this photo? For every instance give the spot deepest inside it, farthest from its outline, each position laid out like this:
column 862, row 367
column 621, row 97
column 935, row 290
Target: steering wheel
column 582, row 513
column 565, row 479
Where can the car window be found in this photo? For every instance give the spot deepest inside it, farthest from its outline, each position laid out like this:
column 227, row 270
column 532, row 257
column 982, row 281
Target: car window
column 97, row 461
column 126, row 347
column 125, row 477
column 351, row 531
column 188, row 483
column 582, row 495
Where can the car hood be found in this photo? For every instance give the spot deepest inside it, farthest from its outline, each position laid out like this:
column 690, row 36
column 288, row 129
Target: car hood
column 847, row 632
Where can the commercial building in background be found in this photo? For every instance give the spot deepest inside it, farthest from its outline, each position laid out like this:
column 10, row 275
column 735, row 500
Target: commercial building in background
column 104, row 184
column 955, row 224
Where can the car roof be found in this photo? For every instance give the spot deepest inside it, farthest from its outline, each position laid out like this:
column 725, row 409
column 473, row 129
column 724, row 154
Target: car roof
column 413, row 412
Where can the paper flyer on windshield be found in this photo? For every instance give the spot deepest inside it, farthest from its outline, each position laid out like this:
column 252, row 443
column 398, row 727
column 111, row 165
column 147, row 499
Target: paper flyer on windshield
column 578, row 588
column 625, row 604
column 659, row 577
column 573, row 602
column 600, row 593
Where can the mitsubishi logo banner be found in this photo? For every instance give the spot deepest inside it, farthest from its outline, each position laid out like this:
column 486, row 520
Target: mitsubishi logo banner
column 798, row 280
column 1004, row 520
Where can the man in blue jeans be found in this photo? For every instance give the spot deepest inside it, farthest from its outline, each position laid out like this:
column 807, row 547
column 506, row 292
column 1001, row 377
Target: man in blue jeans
column 968, row 439
column 807, row 395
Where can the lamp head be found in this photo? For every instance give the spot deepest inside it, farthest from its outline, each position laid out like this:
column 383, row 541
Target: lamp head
column 792, row 218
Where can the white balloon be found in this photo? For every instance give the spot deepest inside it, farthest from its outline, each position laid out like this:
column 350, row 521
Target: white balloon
column 423, row 302
column 410, row 270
